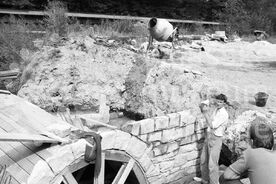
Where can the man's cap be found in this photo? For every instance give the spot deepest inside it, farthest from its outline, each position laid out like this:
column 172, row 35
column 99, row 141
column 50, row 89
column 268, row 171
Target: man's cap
column 221, row 97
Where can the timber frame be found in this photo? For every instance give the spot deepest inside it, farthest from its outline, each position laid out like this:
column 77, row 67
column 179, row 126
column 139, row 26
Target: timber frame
column 128, row 164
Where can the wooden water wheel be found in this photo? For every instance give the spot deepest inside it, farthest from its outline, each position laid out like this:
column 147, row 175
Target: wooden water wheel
column 29, row 154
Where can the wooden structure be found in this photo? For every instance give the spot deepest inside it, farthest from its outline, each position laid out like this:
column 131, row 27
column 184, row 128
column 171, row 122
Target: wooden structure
column 23, row 129
column 9, row 74
column 102, row 16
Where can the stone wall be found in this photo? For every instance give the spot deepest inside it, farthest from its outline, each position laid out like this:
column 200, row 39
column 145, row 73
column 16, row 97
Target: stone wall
column 176, row 141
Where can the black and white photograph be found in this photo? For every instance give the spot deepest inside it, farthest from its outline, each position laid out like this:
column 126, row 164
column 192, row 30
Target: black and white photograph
column 137, row 91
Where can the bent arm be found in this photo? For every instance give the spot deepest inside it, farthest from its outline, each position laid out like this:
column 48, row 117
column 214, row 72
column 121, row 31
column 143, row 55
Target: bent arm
column 229, row 174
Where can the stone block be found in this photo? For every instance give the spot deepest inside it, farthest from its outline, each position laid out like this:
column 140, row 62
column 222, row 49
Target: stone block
column 175, row 176
column 153, row 171
column 132, row 127
column 192, row 169
column 78, row 148
column 157, row 180
column 191, row 163
column 147, row 125
column 41, row 173
column 166, row 165
column 192, row 155
column 165, row 157
column 180, row 160
column 145, row 162
column 186, row 117
column 174, row 120
column 198, row 137
column 144, row 137
column 108, row 139
column 188, row 130
column 121, row 140
column 136, row 148
column 62, row 157
column 172, row 147
column 188, row 148
column 155, row 136
column 171, row 135
column 161, row 122
column 160, row 150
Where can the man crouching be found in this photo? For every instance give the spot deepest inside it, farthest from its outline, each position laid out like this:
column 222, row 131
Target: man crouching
column 161, row 30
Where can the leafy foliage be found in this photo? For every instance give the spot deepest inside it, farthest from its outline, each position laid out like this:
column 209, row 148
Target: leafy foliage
column 244, row 16
column 56, row 20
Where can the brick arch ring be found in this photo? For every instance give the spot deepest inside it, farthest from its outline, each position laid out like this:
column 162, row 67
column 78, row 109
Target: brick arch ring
column 133, row 153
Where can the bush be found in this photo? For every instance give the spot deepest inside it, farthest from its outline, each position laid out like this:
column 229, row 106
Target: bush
column 56, row 20
column 243, row 18
column 15, row 34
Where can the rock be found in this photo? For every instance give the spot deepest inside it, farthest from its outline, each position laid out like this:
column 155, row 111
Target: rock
column 76, row 78
column 161, row 88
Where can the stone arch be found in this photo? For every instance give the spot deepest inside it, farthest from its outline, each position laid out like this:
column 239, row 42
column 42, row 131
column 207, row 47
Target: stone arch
column 117, row 145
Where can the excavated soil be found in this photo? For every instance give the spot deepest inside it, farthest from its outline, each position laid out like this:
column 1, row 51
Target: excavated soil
column 75, row 72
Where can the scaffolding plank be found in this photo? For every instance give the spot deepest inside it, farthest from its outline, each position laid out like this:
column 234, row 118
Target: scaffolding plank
column 26, row 138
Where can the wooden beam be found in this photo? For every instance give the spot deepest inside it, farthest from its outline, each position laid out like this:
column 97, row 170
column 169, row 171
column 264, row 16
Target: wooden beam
column 9, row 73
column 119, row 173
column 26, row 138
column 100, row 178
column 103, row 16
column 69, row 178
column 126, row 171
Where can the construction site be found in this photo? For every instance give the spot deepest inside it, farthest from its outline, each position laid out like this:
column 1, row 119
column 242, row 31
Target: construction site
column 102, row 110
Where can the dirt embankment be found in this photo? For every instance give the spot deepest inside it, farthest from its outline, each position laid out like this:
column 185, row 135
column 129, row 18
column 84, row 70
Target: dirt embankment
column 77, row 71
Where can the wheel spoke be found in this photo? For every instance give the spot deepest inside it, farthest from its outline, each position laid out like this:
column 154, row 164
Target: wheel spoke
column 119, row 174
column 69, row 178
column 126, row 171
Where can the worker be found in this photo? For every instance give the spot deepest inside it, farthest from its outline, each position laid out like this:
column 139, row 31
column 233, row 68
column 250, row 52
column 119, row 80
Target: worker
column 161, row 30
column 216, row 119
column 258, row 162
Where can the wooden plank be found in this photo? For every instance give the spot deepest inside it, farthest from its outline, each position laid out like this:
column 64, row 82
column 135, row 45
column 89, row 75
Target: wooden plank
column 119, row 173
column 20, row 118
column 9, row 73
column 5, row 92
column 13, row 168
column 79, row 164
column 23, row 150
column 69, row 178
column 8, row 77
column 26, row 138
column 100, row 178
column 41, row 151
column 13, row 126
column 103, row 16
column 18, row 173
column 140, row 175
column 126, row 172
column 17, row 157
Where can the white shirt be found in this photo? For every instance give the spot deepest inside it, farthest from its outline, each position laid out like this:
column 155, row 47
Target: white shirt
column 220, row 119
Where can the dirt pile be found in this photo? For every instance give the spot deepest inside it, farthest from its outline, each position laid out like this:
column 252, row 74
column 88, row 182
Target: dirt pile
column 75, row 74
column 162, row 88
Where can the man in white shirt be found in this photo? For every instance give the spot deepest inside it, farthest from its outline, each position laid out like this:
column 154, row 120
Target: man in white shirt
column 216, row 120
